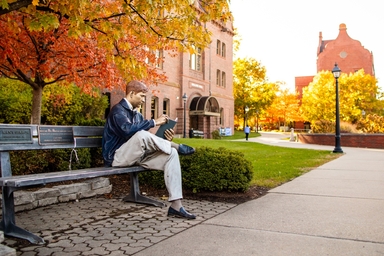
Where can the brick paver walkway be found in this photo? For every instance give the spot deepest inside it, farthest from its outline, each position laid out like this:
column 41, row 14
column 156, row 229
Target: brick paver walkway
column 100, row 226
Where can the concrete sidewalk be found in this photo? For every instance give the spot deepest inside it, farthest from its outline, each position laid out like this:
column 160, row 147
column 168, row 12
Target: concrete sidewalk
column 336, row 209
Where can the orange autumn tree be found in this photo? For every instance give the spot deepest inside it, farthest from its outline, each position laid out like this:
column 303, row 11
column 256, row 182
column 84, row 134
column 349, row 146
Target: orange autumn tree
column 41, row 58
column 97, row 43
column 284, row 109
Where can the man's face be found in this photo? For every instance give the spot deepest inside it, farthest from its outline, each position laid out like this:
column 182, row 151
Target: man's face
column 136, row 99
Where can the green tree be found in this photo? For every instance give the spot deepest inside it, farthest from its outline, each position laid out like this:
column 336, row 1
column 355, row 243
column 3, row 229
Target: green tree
column 251, row 88
column 357, row 92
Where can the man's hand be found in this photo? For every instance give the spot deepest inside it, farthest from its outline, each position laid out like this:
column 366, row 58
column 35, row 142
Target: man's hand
column 161, row 120
column 168, row 134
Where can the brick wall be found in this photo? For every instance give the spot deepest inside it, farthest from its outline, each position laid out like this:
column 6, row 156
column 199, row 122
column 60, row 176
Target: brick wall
column 346, row 140
column 349, row 54
column 182, row 79
column 301, row 82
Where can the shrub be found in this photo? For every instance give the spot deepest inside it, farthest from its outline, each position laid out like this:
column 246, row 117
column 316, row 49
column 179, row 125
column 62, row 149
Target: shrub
column 347, row 128
column 326, row 126
column 44, row 161
column 61, row 104
column 15, row 102
column 209, row 169
column 323, row 126
column 371, row 124
column 216, row 135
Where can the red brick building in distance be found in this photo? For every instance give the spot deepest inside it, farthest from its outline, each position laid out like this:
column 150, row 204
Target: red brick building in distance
column 205, row 78
column 349, row 54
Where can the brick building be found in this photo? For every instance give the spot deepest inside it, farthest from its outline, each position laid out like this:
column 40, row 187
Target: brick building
column 349, row 54
column 205, row 78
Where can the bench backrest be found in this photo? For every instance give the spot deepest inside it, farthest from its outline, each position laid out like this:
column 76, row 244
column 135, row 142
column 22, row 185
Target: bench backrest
column 31, row 137
column 14, row 137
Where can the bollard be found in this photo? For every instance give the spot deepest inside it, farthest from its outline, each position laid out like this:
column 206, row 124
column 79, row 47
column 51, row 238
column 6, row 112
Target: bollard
column 292, row 135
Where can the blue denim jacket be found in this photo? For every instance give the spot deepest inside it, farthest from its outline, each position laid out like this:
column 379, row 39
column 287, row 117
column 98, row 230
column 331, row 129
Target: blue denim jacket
column 122, row 123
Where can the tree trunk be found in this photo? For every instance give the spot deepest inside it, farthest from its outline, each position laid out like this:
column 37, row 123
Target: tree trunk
column 36, row 105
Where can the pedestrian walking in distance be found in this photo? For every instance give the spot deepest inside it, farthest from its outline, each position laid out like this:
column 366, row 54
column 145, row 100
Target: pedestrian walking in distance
column 246, row 131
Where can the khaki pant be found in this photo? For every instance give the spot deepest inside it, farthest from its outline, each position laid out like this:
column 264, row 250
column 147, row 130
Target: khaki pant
column 148, row 150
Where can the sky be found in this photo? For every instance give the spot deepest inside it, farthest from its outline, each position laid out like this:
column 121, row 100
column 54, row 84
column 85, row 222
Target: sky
column 283, row 35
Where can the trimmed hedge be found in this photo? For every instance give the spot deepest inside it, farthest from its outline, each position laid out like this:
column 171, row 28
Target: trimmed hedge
column 44, row 161
column 209, row 169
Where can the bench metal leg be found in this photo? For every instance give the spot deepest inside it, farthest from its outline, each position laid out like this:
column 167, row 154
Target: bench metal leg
column 135, row 196
column 8, row 221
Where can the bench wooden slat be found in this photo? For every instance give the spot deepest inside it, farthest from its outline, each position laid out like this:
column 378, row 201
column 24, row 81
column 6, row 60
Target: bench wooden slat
column 78, row 131
column 81, row 142
column 45, row 178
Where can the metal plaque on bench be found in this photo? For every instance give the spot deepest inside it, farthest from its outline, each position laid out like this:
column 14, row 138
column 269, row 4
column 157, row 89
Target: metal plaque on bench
column 55, row 135
column 15, row 135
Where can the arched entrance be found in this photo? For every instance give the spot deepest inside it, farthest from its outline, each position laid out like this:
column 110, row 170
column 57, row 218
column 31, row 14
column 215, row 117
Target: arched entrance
column 204, row 114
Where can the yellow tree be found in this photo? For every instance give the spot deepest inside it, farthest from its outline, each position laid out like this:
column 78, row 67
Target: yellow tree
column 358, row 91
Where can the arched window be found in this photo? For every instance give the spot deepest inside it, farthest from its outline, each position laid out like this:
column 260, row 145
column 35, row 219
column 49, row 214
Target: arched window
column 218, row 77
column 218, row 47
column 223, row 50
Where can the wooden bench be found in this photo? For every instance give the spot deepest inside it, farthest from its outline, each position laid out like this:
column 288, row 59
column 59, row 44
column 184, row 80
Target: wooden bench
column 37, row 137
column 196, row 134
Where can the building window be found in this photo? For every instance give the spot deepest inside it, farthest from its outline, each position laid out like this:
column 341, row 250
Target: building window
column 155, row 58
column 223, row 79
column 159, row 58
column 223, row 50
column 154, row 112
column 218, row 47
column 218, row 77
column 142, row 107
column 108, row 108
column 195, row 59
column 221, row 117
column 166, row 107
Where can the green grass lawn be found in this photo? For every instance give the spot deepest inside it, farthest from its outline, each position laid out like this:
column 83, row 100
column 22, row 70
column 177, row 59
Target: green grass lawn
column 272, row 165
column 240, row 135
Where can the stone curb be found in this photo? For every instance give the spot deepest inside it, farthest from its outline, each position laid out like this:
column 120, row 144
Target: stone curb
column 5, row 250
column 28, row 200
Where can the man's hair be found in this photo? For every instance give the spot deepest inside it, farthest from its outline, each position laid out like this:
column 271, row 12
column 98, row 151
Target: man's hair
column 136, row 87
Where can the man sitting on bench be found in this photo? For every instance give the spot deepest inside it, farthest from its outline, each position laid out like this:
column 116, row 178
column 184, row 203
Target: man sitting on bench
column 127, row 142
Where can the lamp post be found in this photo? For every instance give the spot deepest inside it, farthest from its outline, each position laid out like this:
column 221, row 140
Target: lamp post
column 257, row 121
column 246, row 114
column 185, row 115
column 336, row 74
